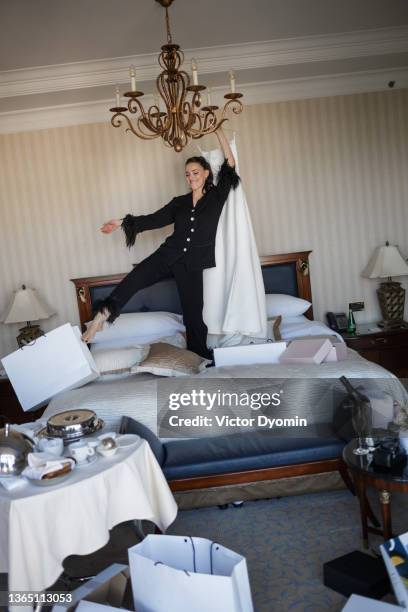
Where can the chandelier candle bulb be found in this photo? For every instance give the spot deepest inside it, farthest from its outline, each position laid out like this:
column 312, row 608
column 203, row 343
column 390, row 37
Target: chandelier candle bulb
column 195, row 72
column 209, row 97
column 132, row 73
column 117, row 99
column 232, row 81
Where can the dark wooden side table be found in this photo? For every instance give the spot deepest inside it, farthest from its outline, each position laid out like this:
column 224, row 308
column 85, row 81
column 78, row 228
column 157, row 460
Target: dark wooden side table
column 388, row 348
column 10, row 406
column 364, row 475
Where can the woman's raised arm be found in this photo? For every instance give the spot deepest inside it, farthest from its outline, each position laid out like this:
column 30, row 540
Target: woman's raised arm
column 226, row 149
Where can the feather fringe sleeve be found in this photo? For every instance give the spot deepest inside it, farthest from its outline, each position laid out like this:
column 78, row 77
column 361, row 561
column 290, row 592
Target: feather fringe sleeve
column 110, row 305
column 130, row 226
column 228, row 175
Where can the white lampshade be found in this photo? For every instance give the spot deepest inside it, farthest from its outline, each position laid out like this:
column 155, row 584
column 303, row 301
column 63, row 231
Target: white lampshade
column 386, row 261
column 26, row 305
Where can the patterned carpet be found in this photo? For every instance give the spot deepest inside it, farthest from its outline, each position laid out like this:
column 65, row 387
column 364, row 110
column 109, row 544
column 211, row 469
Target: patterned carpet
column 285, row 541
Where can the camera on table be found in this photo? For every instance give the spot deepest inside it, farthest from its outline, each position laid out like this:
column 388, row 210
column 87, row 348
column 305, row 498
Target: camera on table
column 388, row 454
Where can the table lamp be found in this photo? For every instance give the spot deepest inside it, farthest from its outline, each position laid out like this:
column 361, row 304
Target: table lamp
column 26, row 305
column 387, row 262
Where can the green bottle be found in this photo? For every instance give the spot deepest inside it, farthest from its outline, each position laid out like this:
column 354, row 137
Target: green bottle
column 351, row 324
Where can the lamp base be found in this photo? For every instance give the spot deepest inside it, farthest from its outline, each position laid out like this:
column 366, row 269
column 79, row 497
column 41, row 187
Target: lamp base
column 391, row 297
column 29, row 334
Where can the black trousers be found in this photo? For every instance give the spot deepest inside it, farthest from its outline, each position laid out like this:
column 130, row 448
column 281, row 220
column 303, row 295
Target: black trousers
column 190, row 287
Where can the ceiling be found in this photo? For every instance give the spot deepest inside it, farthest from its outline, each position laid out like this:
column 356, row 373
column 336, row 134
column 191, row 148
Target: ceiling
column 59, row 52
column 43, row 32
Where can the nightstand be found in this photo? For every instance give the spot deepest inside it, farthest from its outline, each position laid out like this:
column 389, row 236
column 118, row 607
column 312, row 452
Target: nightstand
column 10, row 406
column 388, row 348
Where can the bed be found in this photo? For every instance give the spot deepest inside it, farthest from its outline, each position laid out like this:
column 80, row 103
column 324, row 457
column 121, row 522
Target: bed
column 245, row 456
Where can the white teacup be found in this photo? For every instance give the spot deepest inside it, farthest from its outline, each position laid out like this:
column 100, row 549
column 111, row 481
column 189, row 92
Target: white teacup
column 80, row 451
column 55, row 446
column 93, row 443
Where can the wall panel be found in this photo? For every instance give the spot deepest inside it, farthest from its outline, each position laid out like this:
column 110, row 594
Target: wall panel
column 325, row 174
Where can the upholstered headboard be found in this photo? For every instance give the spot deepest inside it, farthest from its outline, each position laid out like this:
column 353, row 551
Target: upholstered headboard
column 288, row 273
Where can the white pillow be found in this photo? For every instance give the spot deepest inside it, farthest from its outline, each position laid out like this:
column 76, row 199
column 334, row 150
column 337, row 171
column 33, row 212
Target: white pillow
column 285, row 305
column 177, row 339
column 147, row 325
column 118, row 361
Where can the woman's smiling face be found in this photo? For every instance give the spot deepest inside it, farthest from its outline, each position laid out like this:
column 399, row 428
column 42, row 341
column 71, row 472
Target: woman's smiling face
column 196, row 175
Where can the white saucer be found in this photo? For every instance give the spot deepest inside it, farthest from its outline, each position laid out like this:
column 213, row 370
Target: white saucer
column 127, row 440
column 91, row 459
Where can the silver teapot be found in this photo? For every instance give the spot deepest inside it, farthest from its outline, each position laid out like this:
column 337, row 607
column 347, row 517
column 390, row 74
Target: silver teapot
column 14, row 448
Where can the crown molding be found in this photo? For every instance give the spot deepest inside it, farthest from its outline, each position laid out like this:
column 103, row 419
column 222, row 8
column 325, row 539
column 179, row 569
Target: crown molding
column 81, row 75
column 254, row 93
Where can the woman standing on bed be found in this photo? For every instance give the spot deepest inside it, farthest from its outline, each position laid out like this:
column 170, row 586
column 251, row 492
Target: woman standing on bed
column 185, row 254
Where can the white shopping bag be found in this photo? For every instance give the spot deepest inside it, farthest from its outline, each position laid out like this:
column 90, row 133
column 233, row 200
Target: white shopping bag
column 184, row 574
column 91, row 606
column 53, row 363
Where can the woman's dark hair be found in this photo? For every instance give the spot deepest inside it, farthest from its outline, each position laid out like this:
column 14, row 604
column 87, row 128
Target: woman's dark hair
column 199, row 159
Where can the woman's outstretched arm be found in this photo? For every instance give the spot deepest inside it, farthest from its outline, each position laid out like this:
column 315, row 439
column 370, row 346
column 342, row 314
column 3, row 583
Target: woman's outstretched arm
column 132, row 225
column 225, row 146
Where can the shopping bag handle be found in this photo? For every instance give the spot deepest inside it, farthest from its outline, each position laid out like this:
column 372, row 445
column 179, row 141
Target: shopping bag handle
column 211, row 555
column 217, row 547
column 161, row 563
column 32, row 342
column 194, row 557
column 194, row 554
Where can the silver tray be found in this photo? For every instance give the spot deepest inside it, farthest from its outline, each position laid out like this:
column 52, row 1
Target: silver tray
column 71, row 436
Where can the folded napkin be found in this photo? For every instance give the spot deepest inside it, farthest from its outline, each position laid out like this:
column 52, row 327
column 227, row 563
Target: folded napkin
column 13, row 482
column 30, row 429
column 40, row 464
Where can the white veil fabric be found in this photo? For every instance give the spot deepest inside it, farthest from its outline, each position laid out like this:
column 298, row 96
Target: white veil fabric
column 234, row 293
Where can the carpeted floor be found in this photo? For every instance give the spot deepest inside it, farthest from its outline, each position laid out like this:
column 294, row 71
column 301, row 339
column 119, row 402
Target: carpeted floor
column 285, row 541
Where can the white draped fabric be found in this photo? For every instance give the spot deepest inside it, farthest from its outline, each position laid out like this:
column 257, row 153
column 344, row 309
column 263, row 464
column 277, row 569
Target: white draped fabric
column 234, row 294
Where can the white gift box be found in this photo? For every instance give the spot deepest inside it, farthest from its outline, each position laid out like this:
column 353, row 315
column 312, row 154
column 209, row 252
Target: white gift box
column 105, row 591
column 357, row 603
column 184, row 574
column 249, row 354
column 313, row 350
column 57, row 361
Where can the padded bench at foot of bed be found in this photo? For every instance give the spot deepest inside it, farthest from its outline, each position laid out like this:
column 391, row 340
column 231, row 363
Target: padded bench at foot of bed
column 240, row 453
column 243, row 452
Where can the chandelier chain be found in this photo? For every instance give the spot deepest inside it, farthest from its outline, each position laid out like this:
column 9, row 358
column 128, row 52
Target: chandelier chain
column 169, row 40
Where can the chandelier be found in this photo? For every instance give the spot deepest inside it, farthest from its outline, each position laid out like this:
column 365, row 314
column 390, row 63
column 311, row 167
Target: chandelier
column 173, row 116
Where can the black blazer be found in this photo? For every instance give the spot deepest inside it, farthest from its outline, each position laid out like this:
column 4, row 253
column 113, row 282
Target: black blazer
column 195, row 228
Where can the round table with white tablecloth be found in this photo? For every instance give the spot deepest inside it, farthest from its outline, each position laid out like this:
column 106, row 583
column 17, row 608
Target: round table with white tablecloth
column 40, row 526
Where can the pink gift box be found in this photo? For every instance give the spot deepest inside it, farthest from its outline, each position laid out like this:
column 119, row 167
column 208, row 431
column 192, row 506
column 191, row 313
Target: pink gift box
column 338, row 352
column 313, row 350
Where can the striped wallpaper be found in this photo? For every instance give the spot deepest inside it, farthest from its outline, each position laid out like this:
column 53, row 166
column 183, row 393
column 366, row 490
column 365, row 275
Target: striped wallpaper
column 327, row 174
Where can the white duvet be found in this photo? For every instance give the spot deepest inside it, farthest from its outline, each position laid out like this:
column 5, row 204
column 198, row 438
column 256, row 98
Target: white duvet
column 304, row 385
